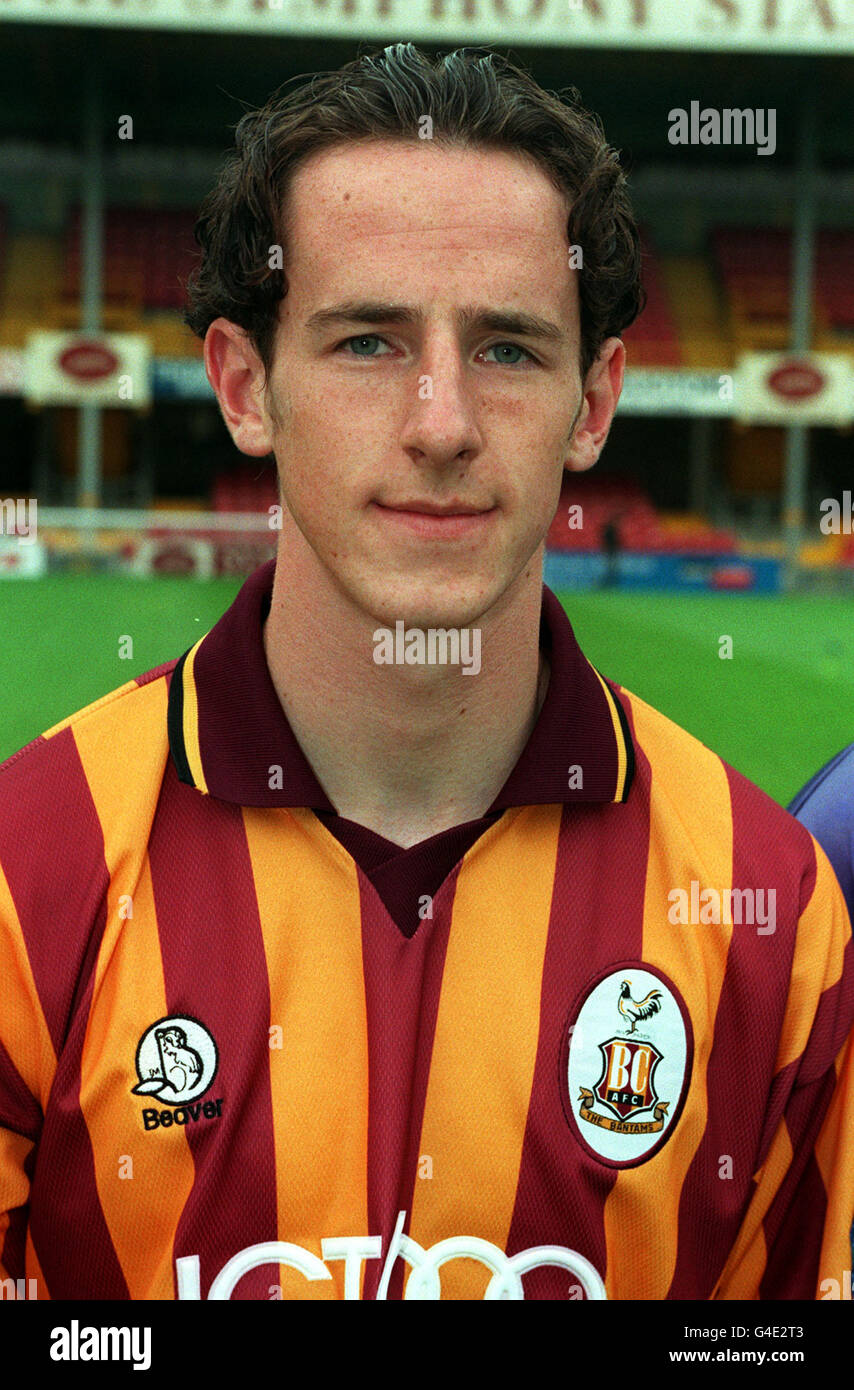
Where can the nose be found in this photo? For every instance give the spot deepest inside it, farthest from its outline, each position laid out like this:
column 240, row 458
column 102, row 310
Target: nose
column 442, row 422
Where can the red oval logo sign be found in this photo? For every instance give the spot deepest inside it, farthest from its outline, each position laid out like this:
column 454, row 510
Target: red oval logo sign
column 796, row 380
column 88, row 361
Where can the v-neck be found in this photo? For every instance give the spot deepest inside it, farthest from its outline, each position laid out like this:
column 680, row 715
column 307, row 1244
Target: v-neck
column 404, row 876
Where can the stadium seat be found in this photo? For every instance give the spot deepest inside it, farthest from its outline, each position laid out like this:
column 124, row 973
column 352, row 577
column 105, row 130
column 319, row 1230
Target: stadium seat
column 652, row 340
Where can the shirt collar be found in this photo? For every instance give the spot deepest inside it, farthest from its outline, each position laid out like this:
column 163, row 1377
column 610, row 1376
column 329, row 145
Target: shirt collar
column 230, row 738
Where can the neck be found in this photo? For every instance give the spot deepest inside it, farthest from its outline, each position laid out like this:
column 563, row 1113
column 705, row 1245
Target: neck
column 406, row 750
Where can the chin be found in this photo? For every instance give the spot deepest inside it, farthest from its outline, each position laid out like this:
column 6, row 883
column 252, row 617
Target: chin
column 450, row 603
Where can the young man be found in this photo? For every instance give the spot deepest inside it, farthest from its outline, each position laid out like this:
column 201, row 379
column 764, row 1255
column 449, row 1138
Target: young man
column 364, row 937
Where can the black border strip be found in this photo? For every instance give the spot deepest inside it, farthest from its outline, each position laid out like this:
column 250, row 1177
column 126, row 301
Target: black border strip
column 175, row 722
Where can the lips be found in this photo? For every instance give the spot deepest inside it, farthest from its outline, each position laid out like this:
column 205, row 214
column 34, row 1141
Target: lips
column 439, row 523
column 436, row 508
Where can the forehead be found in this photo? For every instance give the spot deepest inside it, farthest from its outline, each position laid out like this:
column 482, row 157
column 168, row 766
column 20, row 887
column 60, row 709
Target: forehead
column 385, row 200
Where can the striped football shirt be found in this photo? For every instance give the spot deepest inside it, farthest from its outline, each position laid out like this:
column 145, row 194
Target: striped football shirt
column 596, row 1043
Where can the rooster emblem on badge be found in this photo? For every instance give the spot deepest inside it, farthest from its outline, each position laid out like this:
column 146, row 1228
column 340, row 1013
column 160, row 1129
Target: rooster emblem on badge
column 633, row 1012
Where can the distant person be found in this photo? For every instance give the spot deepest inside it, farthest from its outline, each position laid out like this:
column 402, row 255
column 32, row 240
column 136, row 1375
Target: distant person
column 610, row 536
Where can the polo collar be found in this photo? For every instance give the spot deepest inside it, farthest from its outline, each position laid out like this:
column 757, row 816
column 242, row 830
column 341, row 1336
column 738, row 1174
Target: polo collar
column 230, row 738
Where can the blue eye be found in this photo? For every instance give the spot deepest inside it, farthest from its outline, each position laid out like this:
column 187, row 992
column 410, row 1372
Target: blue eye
column 363, row 338
column 514, row 347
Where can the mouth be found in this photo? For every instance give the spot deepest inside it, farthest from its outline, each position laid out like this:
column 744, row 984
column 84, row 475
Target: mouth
column 429, row 519
column 453, row 507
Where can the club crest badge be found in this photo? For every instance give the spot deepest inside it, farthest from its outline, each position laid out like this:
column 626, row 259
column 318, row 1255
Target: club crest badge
column 626, row 1064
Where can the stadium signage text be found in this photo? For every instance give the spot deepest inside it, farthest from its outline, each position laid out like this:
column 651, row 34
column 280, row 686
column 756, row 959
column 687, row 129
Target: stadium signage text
column 424, row 1282
column 807, row 26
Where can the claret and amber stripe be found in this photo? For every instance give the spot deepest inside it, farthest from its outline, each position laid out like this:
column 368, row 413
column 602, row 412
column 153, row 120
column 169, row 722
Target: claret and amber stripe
column 485, row 1044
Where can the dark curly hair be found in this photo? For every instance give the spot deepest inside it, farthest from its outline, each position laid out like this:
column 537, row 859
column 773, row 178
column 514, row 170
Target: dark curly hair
column 474, row 97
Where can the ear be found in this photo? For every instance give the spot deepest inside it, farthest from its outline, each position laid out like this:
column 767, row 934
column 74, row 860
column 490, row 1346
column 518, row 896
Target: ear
column 236, row 373
column 602, row 387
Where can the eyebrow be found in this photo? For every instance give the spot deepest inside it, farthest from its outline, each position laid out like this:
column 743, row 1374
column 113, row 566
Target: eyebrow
column 376, row 311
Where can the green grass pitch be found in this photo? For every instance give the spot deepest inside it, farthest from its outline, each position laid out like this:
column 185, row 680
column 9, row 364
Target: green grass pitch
column 776, row 711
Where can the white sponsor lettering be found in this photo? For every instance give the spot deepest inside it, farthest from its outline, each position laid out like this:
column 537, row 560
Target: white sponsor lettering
column 424, row 1282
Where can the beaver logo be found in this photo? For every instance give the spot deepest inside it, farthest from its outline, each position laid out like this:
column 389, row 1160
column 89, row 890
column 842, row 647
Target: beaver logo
column 176, row 1060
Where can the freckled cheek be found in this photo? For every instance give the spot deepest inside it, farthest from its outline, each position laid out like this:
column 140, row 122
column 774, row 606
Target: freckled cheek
column 309, row 447
column 536, row 487
column 323, row 418
column 318, row 485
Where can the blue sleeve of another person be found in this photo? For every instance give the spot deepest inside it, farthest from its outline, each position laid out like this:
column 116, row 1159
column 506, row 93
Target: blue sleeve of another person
column 825, row 805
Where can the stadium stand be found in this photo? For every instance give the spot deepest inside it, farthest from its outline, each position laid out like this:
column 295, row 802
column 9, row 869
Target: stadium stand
column 699, row 313
column 653, row 338
column 640, row 527
column 835, row 284
column 754, row 266
column 241, row 490
column 148, row 253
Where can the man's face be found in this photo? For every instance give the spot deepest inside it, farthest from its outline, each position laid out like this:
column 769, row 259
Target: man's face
column 368, row 413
